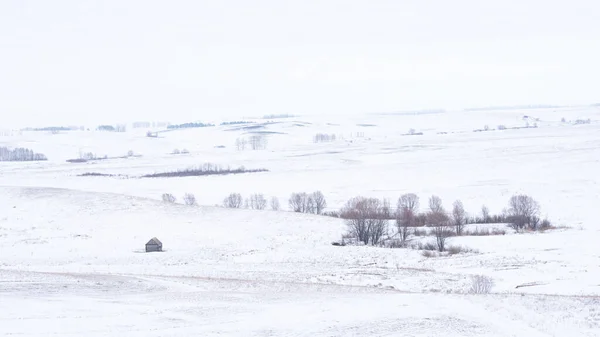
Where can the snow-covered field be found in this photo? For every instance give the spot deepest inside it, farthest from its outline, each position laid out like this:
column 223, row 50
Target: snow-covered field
column 71, row 247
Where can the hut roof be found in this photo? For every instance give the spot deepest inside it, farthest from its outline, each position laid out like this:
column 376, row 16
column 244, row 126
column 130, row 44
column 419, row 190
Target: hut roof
column 154, row 241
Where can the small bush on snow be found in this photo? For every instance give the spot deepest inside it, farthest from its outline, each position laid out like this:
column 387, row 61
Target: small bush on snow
column 189, row 199
column 429, row 253
column 481, row 284
column 168, row 198
column 453, row 250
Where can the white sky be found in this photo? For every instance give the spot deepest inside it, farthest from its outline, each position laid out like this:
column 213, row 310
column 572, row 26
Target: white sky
column 109, row 61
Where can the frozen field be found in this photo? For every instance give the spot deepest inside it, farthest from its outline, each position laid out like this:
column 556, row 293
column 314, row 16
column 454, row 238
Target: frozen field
column 71, row 247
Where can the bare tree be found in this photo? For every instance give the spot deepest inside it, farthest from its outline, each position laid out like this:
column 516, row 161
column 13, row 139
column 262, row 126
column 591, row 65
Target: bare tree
column 458, row 216
column 256, row 201
column 442, row 233
column 240, row 144
column 319, row 202
column 435, row 204
column 438, row 218
column 409, row 201
column 168, row 198
column 407, row 208
column 364, row 219
column 386, row 209
column 485, row 213
column 523, row 211
column 189, row 199
column 234, row 200
column 258, row 142
column 302, row 203
column 437, row 214
column 275, row 204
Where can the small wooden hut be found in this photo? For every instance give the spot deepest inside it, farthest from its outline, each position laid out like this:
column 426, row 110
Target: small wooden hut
column 154, row 245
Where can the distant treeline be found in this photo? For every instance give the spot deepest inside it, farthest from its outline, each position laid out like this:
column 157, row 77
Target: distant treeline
column 236, row 123
column 516, row 107
column 20, row 154
column 189, row 125
column 54, row 128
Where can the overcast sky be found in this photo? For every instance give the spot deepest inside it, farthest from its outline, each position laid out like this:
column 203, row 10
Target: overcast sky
column 122, row 60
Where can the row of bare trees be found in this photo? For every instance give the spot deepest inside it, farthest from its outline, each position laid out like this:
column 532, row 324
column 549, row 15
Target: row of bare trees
column 254, row 201
column 254, row 142
column 20, row 154
column 303, row 202
column 324, row 138
column 368, row 218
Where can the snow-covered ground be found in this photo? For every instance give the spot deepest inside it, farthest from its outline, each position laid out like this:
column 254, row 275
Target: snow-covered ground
column 71, row 247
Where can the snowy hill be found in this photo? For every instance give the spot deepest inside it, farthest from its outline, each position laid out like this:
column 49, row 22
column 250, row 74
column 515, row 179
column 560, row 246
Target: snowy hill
column 71, row 246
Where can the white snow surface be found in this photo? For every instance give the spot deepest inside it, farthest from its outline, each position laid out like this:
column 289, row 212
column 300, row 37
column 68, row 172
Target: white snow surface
column 72, row 260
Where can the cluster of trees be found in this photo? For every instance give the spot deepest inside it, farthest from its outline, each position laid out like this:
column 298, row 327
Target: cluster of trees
column 182, row 151
column 254, row 142
column 138, row 125
column 276, row 116
column 324, row 138
column 303, row 202
column 368, row 219
column 20, row 154
column 189, row 125
column 255, row 201
column 111, row 128
column 204, row 170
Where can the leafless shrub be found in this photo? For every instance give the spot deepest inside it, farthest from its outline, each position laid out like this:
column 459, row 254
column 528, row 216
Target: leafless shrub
column 256, row 201
column 485, row 232
column 431, row 246
column 168, row 198
column 545, row 225
column 275, row 204
column 319, row 202
column 458, row 216
column 364, row 219
column 395, row 243
column 333, row 214
column 130, row 153
column 185, row 151
column 302, row 203
column 501, row 127
column 189, row 199
column 583, row 121
column 419, row 232
column 523, row 212
column 234, row 200
column 481, row 284
column 428, row 253
column 176, row 151
column 453, row 250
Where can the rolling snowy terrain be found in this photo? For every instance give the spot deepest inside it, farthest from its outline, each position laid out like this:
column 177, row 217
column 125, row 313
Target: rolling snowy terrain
column 72, row 258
